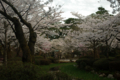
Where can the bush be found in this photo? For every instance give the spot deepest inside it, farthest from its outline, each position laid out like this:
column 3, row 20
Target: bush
column 62, row 76
column 102, row 56
column 14, row 63
column 37, row 61
column 18, row 72
column 117, row 56
column 15, row 59
column 101, row 64
column 116, row 75
column 48, row 76
column 88, row 57
column 44, row 62
column 53, row 60
column 56, row 76
column 114, row 65
column 88, row 68
column 82, row 62
column 111, row 58
column 39, row 57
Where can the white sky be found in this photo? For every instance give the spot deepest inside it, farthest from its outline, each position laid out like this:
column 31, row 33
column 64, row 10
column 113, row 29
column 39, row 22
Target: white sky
column 84, row 7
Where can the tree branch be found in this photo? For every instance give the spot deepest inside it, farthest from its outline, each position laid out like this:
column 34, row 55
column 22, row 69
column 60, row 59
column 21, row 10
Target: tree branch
column 19, row 15
column 7, row 19
column 2, row 43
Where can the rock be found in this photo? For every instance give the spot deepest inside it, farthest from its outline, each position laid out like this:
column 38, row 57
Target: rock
column 110, row 76
column 102, row 75
column 117, row 76
column 75, row 65
column 96, row 73
column 1, row 64
column 93, row 71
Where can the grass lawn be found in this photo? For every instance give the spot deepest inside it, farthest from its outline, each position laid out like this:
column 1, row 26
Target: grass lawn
column 45, row 68
column 71, row 70
column 81, row 74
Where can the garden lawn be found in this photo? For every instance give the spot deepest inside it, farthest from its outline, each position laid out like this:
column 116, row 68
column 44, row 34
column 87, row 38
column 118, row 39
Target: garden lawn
column 71, row 70
column 46, row 68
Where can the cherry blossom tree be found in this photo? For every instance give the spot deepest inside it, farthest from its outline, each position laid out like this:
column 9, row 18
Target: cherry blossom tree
column 32, row 15
column 42, row 44
column 115, row 4
column 7, row 38
column 98, row 30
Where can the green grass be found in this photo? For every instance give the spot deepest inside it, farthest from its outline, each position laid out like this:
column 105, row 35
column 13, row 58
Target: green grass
column 73, row 71
column 70, row 70
column 81, row 74
column 45, row 68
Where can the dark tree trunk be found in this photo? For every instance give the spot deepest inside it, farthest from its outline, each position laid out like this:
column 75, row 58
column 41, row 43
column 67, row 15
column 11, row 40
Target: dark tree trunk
column 94, row 49
column 32, row 40
column 107, row 49
column 18, row 51
column 5, row 47
column 27, row 49
column 23, row 43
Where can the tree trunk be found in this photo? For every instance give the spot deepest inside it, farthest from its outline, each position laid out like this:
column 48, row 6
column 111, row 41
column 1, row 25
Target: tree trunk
column 32, row 40
column 5, row 47
column 18, row 51
column 94, row 49
column 107, row 49
column 23, row 43
column 27, row 49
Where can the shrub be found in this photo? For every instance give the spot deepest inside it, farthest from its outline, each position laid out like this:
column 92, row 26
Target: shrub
column 62, row 76
column 117, row 56
column 15, row 59
column 67, row 56
column 53, row 60
column 88, row 57
column 101, row 64
column 116, row 76
column 14, row 63
column 39, row 57
column 88, row 68
column 56, row 76
column 111, row 58
column 44, row 61
column 18, row 72
column 114, row 65
column 82, row 62
column 71, row 60
column 37, row 61
column 82, row 65
column 47, row 76
column 102, row 56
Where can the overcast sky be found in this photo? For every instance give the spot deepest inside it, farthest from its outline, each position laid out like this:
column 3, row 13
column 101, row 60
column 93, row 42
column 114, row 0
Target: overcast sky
column 84, row 7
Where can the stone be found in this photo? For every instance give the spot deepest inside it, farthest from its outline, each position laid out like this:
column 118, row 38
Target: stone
column 93, row 71
column 110, row 76
column 102, row 75
column 117, row 75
